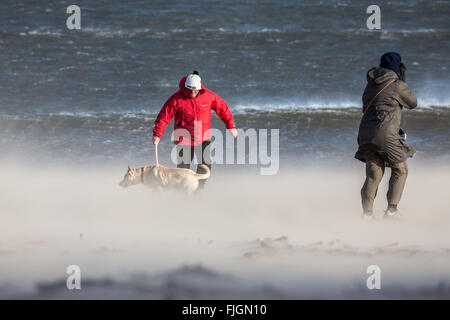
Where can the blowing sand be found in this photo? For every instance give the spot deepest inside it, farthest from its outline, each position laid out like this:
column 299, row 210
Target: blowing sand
column 294, row 235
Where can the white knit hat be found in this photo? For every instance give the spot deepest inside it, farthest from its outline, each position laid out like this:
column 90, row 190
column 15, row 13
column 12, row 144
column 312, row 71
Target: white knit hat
column 193, row 82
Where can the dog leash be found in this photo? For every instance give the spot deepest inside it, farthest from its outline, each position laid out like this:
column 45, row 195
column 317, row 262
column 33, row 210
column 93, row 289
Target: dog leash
column 156, row 154
column 157, row 163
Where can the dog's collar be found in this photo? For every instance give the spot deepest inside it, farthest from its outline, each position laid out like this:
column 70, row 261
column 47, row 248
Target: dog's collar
column 142, row 175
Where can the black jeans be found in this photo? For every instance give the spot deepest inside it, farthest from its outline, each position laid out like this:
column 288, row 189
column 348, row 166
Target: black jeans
column 202, row 153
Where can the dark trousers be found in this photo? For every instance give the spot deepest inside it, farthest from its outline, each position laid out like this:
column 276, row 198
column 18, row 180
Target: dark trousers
column 374, row 173
column 202, row 153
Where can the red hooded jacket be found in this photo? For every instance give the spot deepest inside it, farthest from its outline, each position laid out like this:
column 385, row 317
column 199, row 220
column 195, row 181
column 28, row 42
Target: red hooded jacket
column 188, row 110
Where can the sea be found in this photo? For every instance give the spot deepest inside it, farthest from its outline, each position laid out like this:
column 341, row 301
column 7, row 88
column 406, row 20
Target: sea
column 91, row 95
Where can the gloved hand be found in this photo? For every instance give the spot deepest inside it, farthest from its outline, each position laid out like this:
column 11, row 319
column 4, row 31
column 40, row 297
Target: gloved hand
column 402, row 134
column 234, row 132
column 401, row 74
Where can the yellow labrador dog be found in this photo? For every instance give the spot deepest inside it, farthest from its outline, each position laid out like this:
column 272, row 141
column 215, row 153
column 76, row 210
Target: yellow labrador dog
column 159, row 177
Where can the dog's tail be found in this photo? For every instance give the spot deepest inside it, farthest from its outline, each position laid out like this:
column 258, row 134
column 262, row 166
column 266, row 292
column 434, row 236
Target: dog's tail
column 202, row 176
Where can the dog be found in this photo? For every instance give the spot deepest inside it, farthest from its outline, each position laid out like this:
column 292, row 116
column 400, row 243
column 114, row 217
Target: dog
column 158, row 177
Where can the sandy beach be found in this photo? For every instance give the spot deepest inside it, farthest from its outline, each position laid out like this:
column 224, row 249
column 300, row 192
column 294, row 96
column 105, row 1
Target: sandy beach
column 294, row 235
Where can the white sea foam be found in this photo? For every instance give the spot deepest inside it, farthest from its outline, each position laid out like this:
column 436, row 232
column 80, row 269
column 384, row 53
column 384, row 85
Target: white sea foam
column 43, row 31
column 111, row 32
column 316, row 105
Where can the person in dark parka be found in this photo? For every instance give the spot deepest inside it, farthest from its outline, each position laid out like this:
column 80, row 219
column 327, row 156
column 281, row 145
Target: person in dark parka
column 381, row 140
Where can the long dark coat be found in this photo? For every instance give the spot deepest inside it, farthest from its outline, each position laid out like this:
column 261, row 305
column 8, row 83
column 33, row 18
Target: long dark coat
column 379, row 131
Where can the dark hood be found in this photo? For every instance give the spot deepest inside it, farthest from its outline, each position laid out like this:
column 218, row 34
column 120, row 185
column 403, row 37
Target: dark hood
column 379, row 75
column 185, row 91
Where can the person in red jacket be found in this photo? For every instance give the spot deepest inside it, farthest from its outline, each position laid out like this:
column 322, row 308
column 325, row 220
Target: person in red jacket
column 192, row 106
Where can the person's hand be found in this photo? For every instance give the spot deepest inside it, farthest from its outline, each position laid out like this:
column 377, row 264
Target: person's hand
column 156, row 140
column 402, row 75
column 233, row 132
